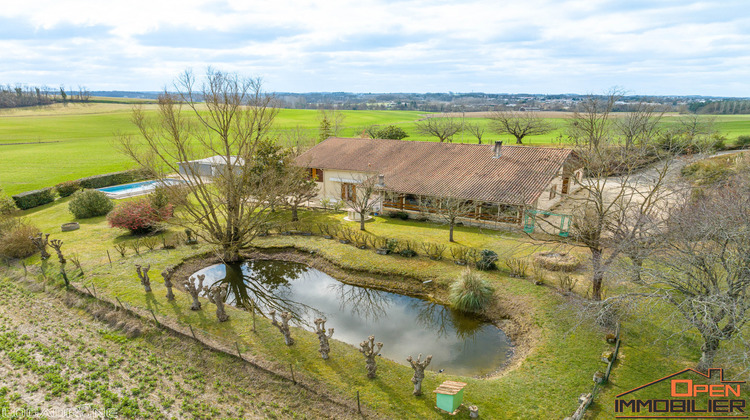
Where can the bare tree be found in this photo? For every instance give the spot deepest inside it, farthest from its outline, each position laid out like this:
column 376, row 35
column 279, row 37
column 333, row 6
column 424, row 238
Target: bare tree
column 640, row 126
column 300, row 188
column 475, row 130
column 519, row 124
column 590, row 124
column 704, row 271
column 363, row 198
column 615, row 214
column 448, row 210
column 442, row 128
column 331, row 121
column 229, row 117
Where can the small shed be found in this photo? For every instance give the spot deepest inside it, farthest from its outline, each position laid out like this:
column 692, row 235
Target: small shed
column 450, row 395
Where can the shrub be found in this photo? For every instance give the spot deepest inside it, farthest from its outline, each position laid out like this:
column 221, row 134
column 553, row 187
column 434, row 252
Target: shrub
column 487, row 260
column 557, row 261
column 15, row 242
column 460, row 253
column 138, row 216
column 407, row 249
column 89, row 203
column 159, row 198
column 31, row 199
column 743, row 141
column 566, row 282
column 67, row 188
column 518, row 267
column 398, row 215
column 434, row 251
column 7, row 205
column 470, row 292
column 114, row 178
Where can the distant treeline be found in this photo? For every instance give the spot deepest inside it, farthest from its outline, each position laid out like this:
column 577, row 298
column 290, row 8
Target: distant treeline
column 721, row 107
column 22, row 95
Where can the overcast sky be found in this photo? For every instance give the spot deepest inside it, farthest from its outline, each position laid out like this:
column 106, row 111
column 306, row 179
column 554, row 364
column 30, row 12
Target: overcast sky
column 532, row 46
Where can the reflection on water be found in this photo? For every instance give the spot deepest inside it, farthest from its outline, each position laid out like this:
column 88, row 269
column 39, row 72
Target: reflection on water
column 460, row 344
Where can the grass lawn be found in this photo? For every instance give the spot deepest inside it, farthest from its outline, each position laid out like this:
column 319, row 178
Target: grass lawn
column 563, row 354
column 40, row 147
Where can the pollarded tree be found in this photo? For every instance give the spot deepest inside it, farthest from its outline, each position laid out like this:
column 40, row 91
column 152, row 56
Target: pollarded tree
column 444, row 128
column 519, row 124
column 228, row 117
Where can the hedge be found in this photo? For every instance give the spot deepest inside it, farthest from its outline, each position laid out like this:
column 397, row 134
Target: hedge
column 67, row 188
column 114, row 178
column 30, row 199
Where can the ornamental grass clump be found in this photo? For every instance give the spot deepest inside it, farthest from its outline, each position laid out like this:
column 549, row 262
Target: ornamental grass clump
column 138, row 216
column 470, row 292
column 15, row 239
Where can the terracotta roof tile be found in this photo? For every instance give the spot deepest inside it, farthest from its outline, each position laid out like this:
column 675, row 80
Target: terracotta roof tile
column 444, row 169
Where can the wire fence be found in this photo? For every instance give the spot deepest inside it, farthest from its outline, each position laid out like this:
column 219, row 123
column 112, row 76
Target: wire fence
column 585, row 400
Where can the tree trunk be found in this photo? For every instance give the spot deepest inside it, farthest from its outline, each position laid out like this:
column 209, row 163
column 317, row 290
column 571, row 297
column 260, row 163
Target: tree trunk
column 519, row 140
column 294, row 213
column 450, row 235
column 638, row 269
column 708, row 351
column 362, row 221
column 598, row 276
column 231, row 254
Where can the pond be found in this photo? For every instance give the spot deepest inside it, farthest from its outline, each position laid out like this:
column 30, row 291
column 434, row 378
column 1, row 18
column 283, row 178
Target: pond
column 460, row 344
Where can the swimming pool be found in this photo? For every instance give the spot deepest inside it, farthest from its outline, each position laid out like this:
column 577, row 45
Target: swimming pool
column 137, row 188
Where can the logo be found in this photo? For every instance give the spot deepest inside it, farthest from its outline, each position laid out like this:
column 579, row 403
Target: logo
column 687, row 394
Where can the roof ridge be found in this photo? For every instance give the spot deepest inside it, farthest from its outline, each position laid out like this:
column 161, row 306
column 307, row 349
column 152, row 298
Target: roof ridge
column 519, row 146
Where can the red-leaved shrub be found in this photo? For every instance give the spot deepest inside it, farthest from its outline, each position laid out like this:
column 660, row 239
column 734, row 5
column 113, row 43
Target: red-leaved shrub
column 138, row 216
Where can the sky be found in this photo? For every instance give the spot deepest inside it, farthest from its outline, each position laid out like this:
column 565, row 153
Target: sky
column 649, row 47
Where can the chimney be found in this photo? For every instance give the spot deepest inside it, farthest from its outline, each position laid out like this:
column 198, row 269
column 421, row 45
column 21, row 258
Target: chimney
column 497, row 149
column 381, row 181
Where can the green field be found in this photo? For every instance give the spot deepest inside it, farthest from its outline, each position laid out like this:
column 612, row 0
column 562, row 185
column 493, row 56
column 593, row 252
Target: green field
column 41, row 147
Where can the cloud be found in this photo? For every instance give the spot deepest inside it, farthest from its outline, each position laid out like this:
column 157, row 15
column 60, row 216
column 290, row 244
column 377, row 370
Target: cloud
column 665, row 47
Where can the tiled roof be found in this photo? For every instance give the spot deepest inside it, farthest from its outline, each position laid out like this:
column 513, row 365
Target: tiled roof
column 459, row 170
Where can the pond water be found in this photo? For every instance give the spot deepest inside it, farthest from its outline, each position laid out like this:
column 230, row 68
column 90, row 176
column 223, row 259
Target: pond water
column 460, row 344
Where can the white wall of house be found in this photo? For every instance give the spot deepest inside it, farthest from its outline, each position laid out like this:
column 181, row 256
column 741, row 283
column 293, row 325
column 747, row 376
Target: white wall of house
column 553, row 194
column 330, row 188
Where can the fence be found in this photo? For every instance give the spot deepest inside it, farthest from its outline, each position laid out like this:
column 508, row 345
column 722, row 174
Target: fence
column 585, row 400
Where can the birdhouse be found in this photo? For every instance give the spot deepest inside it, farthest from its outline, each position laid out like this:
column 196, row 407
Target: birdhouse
column 450, row 395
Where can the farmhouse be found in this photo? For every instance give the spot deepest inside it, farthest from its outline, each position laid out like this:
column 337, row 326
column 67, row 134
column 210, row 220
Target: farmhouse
column 501, row 181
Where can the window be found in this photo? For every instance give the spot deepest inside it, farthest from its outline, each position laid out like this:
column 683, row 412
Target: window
column 565, row 185
column 315, row 174
column 553, row 192
column 348, row 192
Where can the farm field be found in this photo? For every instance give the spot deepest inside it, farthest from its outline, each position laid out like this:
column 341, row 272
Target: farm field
column 44, row 146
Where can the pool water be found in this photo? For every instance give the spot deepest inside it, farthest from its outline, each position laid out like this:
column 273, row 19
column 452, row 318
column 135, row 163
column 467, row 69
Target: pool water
column 137, row 188
column 460, row 344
